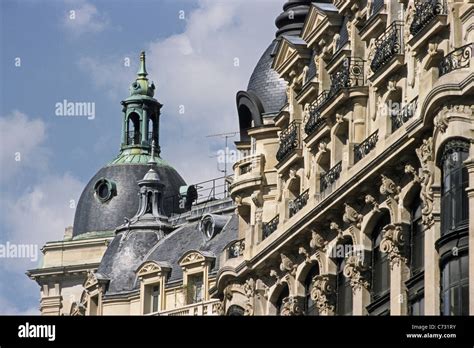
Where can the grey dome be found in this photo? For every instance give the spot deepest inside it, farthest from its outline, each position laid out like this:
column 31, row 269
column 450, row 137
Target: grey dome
column 266, row 84
column 92, row 215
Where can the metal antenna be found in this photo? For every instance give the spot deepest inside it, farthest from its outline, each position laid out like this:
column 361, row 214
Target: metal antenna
column 226, row 136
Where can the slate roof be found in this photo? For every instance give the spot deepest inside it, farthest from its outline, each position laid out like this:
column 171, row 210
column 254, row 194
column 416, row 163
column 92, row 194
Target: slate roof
column 266, row 84
column 188, row 237
column 94, row 216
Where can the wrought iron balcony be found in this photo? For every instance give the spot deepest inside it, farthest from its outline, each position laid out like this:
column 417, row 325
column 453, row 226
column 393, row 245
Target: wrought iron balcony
column 349, row 74
column 315, row 121
column 236, row 249
column 457, row 59
column 402, row 115
column 133, row 138
column 363, row 149
column 388, row 46
column 269, row 227
column 425, row 12
column 330, row 177
column 289, row 141
column 298, row 203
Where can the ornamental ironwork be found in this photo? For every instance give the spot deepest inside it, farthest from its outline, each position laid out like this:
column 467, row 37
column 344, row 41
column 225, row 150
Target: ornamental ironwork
column 133, row 138
column 289, row 141
column 457, row 59
column 363, row 149
column 388, row 46
column 331, row 176
column 298, row 203
column 349, row 74
column 401, row 116
column 236, row 249
column 425, row 12
column 269, row 227
column 315, row 121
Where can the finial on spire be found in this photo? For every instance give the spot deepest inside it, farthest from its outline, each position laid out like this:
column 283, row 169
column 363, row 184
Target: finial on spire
column 152, row 161
column 142, row 71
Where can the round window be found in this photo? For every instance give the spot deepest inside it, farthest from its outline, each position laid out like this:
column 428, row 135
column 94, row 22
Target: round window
column 104, row 190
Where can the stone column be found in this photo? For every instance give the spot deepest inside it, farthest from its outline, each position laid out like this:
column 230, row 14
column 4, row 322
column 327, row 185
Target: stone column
column 323, row 292
column 357, row 270
column 394, row 243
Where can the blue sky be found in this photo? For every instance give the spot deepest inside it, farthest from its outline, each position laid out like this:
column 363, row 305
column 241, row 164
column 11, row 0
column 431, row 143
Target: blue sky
column 191, row 61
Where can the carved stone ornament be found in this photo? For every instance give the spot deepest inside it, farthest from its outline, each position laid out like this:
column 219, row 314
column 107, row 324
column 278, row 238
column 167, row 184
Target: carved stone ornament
column 394, row 244
column 218, row 308
column 410, row 170
column 335, row 227
column 304, row 252
column 425, row 155
column 249, row 290
column 317, row 241
column 369, row 199
column 351, row 216
column 287, row 265
column 358, row 273
column 257, row 199
column 389, row 188
column 291, row 306
column 323, row 292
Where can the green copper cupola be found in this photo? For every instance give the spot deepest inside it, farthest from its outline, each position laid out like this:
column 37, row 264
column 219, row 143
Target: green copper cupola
column 141, row 117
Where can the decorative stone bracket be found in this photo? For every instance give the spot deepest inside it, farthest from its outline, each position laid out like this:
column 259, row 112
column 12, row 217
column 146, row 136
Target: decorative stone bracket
column 323, row 291
column 292, row 306
column 357, row 270
column 394, row 243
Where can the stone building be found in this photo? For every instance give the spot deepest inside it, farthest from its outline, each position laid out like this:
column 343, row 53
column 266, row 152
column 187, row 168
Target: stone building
column 354, row 195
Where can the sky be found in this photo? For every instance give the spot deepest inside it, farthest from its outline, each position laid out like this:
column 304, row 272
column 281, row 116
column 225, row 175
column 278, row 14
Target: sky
column 200, row 53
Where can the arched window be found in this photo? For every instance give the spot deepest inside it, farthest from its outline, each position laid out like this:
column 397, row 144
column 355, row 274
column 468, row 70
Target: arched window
column 285, row 292
column 310, row 304
column 343, row 290
column 455, row 286
column 417, row 238
column 415, row 285
column 133, row 129
column 454, row 201
column 454, row 222
column 380, row 264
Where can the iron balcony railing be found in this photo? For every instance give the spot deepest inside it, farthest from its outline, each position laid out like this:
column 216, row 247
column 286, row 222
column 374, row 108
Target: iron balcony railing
column 425, row 12
column 388, row 46
column 298, row 203
column 315, row 121
column 363, row 149
column 401, row 116
column 349, row 74
column 269, row 227
column 289, row 140
column 330, row 177
column 457, row 59
column 236, row 249
column 133, row 138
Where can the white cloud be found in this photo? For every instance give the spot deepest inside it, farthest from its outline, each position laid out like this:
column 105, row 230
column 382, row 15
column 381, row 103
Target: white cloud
column 35, row 205
column 83, row 17
column 21, row 140
column 195, row 69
